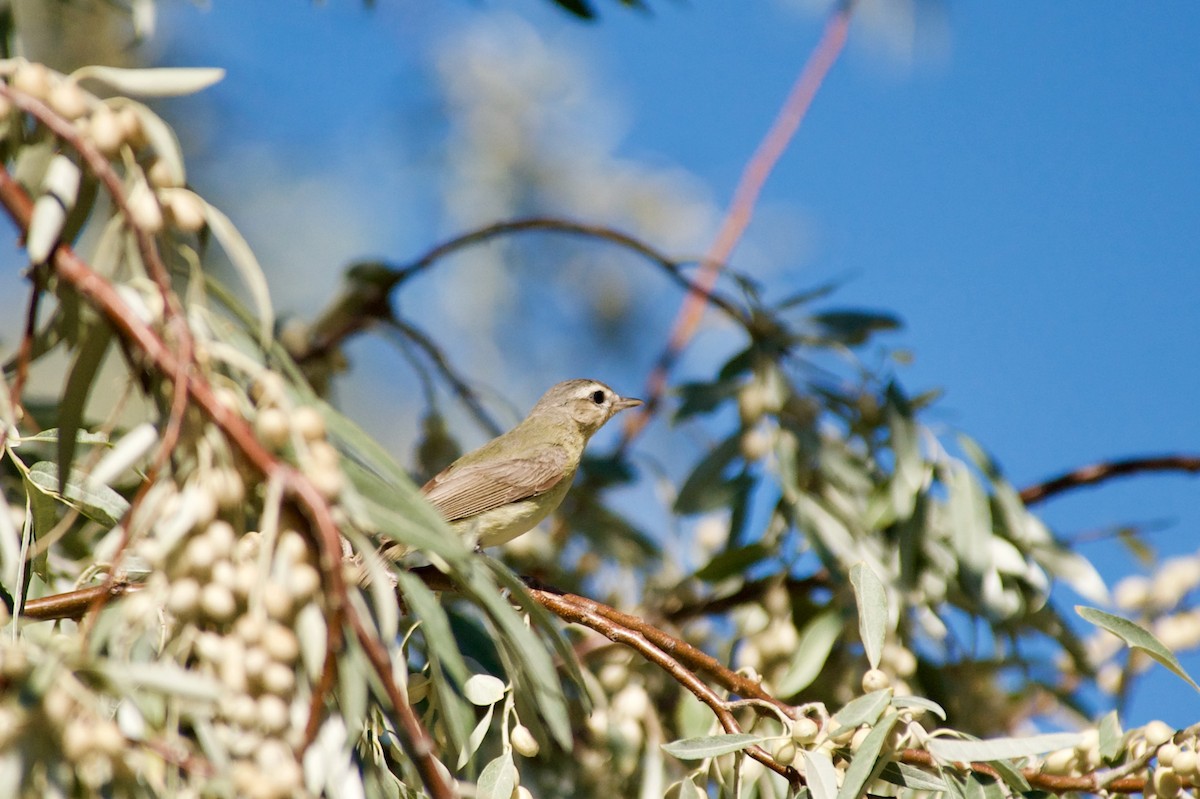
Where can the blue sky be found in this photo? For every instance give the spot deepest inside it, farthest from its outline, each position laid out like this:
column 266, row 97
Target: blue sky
column 1025, row 194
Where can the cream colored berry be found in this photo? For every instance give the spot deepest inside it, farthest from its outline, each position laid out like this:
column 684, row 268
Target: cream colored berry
column 32, row 79
column 523, row 742
column 70, row 101
column 804, row 730
column 309, row 423
column 217, row 602
column 185, row 209
column 281, row 643
column 303, row 582
column 271, row 426
column 1157, row 733
column 184, row 597
column 272, row 713
column 278, row 679
column 875, row 680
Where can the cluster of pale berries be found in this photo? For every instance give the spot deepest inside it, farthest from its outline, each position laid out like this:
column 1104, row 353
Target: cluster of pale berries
column 1175, row 761
column 112, row 125
column 236, row 603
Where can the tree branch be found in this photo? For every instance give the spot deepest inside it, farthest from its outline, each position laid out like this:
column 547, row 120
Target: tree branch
column 1107, row 470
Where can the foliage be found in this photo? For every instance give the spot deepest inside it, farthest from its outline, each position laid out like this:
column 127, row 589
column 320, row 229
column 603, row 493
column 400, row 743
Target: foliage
column 270, row 608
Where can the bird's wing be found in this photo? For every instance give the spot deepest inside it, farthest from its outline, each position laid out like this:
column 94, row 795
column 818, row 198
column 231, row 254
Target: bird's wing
column 463, row 491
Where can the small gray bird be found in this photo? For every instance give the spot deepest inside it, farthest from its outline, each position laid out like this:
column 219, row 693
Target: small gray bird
column 513, row 482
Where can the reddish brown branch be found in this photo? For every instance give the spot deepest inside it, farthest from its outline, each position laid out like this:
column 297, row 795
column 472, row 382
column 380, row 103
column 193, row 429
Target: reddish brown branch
column 1107, row 470
column 74, row 604
column 579, row 610
column 101, row 295
column 677, row 648
column 1053, row 783
column 741, row 209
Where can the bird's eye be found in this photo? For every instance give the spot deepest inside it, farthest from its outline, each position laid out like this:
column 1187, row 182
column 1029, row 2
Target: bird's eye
column 598, row 397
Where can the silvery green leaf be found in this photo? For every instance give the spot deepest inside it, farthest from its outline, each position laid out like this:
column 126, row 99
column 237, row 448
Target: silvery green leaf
column 312, row 633
column 440, row 644
column 1136, row 637
column 128, row 450
column 80, row 380
column 152, row 81
column 51, row 437
column 866, row 763
column 960, row 751
column 831, row 532
column 820, row 774
column 919, row 702
column 910, row 470
column 542, row 620
column 483, row 690
column 863, row 709
column 476, row 737
column 498, row 779
column 687, row 789
column 872, row 602
column 165, row 677
column 1076, row 571
column 1011, row 775
column 246, row 264
column 911, row 777
column 45, row 227
column 970, row 520
column 1112, row 738
column 384, row 609
column 99, row 503
column 812, row 650
column 978, row 786
column 713, row 745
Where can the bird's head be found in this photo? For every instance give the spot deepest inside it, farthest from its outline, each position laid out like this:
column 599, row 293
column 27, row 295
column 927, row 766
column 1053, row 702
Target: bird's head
column 589, row 403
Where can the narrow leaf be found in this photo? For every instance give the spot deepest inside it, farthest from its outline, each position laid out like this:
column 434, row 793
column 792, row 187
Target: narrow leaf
column 154, row 81
column 476, row 737
column 247, row 266
column 498, row 779
column 920, row 703
column 440, row 644
column 80, row 379
column 1011, row 775
column 97, row 502
column 812, row 650
column 126, row 452
column 713, row 745
column 872, row 602
column 820, row 774
column 907, row 776
column 863, row 710
column 866, row 763
column 1112, row 738
column 960, row 751
column 1136, row 637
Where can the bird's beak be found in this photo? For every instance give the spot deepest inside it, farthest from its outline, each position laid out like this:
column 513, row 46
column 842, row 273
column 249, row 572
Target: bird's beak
column 626, row 402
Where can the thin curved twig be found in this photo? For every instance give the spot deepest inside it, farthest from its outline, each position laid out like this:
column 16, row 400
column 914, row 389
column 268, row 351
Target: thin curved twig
column 368, row 303
column 458, row 384
column 1107, row 470
column 741, row 209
